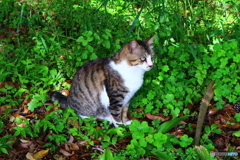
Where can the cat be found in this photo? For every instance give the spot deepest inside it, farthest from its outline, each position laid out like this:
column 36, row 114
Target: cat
column 104, row 87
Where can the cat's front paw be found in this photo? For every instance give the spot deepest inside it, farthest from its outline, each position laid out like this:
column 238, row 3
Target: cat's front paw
column 128, row 122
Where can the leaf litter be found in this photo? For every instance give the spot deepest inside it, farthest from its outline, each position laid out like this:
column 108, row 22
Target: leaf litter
column 27, row 147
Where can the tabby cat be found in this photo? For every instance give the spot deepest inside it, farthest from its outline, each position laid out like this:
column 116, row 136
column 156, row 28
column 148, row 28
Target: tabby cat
column 104, row 87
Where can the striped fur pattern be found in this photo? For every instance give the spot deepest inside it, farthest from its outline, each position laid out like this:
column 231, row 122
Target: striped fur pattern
column 104, row 87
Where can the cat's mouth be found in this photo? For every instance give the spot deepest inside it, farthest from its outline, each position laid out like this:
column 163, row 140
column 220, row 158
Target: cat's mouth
column 148, row 68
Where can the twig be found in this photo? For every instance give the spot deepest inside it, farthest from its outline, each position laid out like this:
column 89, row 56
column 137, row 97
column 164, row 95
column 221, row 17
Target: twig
column 203, row 110
column 99, row 149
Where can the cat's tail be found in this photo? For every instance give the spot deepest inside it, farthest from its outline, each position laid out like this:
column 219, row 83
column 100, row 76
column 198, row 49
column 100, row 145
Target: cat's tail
column 58, row 96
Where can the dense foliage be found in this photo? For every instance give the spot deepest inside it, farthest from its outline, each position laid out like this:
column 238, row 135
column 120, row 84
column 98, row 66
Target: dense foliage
column 44, row 42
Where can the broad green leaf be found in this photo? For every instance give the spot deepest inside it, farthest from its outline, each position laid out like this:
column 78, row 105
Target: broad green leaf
column 106, row 137
column 166, row 126
column 34, row 104
column 144, row 101
column 165, row 68
column 140, row 151
column 53, row 72
column 107, row 155
column 81, row 39
column 149, row 138
column 159, row 139
column 19, row 92
column 169, row 97
column 84, row 55
column 142, row 142
column 44, row 44
column 185, row 140
column 202, row 153
column 237, row 133
column 106, row 43
column 93, row 56
column 161, row 155
column 3, row 150
column 88, row 33
column 237, row 117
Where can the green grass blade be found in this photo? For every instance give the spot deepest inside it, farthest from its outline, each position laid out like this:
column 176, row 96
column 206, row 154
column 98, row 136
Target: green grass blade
column 166, row 126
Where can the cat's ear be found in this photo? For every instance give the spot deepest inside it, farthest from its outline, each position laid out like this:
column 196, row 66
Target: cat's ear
column 149, row 41
column 133, row 45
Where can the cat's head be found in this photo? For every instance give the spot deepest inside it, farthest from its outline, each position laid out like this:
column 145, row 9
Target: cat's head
column 140, row 53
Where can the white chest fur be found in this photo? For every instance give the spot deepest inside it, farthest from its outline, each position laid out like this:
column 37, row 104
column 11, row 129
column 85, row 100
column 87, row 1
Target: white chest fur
column 132, row 76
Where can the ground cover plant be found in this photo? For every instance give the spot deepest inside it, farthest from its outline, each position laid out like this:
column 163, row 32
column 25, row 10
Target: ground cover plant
column 42, row 43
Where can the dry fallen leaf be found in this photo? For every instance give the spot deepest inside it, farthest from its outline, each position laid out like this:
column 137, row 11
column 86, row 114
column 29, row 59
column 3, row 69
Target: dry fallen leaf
column 18, row 116
column 59, row 157
column 219, row 143
column 25, row 144
column 2, row 84
column 74, row 147
column 65, row 153
column 4, row 107
column 32, row 147
column 235, row 126
column 82, row 142
column 71, row 139
column 26, row 100
column 67, row 147
column 153, row 117
column 40, row 154
column 30, row 156
column 74, row 123
column 212, row 111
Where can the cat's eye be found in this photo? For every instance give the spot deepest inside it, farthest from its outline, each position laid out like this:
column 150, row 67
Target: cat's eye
column 143, row 59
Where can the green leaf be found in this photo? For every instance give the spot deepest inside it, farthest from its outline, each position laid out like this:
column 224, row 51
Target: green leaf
column 89, row 48
column 106, row 137
column 139, row 129
column 60, row 127
column 144, row 101
column 19, row 92
column 81, row 39
column 149, row 138
column 93, row 56
column 87, row 33
column 3, row 150
column 165, row 68
column 161, row 155
column 107, row 155
column 169, row 97
column 84, row 55
column 160, row 139
column 114, row 140
column 166, row 126
column 185, row 140
column 53, row 72
column 106, row 43
column 34, row 104
column 236, row 58
column 207, row 129
column 44, row 44
column 202, row 153
column 237, row 117
column 140, row 151
column 237, row 133
column 142, row 142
